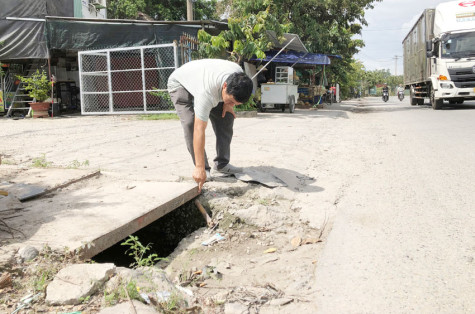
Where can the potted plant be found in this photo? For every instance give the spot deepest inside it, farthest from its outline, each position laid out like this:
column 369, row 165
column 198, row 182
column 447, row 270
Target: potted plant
column 38, row 87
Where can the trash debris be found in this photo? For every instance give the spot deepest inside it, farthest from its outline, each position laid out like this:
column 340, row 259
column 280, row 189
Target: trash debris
column 217, row 237
column 26, row 301
column 270, row 250
column 185, row 290
column 211, row 272
column 163, row 296
column 145, row 297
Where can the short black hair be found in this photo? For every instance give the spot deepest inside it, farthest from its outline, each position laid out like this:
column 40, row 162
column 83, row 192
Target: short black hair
column 239, row 85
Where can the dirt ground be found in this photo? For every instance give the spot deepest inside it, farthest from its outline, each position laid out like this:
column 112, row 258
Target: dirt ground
column 272, row 236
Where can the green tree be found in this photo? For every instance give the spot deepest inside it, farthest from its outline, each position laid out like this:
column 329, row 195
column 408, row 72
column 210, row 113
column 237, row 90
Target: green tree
column 161, row 10
column 124, row 9
column 325, row 26
column 247, row 36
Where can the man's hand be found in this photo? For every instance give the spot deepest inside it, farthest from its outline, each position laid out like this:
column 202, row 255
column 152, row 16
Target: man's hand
column 230, row 109
column 199, row 175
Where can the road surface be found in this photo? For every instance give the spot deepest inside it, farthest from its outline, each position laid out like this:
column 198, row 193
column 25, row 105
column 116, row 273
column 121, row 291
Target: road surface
column 403, row 239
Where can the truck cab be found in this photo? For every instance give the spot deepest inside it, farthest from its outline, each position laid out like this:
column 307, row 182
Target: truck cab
column 439, row 55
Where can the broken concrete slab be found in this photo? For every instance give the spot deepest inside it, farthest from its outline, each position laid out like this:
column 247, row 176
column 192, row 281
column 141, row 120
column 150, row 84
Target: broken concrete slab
column 22, row 191
column 90, row 217
column 10, row 203
column 73, row 284
column 265, row 178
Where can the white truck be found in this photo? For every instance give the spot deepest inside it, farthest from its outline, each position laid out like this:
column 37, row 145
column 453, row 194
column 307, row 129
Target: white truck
column 439, row 55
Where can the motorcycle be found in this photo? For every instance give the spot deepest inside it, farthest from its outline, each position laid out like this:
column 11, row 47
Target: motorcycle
column 400, row 95
column 385, row 96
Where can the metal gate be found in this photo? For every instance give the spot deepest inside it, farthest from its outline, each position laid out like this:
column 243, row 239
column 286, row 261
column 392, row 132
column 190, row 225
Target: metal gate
column 127, row 80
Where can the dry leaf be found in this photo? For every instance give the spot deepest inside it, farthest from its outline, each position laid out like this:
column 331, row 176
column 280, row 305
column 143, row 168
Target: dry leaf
column 5, row 280
column 311, row 241
column 270, row 250
column 296, row 241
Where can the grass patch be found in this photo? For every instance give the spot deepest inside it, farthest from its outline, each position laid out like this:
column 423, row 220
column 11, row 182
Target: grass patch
column 41, row 162
column 159, row 116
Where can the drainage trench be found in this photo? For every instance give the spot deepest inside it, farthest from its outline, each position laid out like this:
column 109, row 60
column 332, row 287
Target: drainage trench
column 163, row 235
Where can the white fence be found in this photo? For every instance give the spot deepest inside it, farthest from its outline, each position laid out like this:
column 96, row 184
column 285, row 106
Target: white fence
column 126, row 80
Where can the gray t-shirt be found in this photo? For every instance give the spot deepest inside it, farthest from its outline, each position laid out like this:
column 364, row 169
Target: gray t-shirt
column 204, row 80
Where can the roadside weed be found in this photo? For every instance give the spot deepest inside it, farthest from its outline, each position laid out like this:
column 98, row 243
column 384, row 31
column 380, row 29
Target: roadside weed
column 40, row 162
column 137, row 250
column 161, row 116
column 75, row 164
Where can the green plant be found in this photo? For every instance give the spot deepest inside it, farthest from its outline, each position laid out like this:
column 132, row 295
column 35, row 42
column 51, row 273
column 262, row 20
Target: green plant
column 75, row 164
column 38, row 86
column 249, row 105
column 40, row 162
column 166, row 101
column 160, row 116
column 122, row 292
column 137, row 250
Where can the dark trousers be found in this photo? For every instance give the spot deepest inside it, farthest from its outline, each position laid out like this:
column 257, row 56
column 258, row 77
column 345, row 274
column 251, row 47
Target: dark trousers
column 223, row 127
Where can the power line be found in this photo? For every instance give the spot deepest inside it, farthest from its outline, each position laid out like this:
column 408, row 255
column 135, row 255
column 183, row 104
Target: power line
column 395, row 67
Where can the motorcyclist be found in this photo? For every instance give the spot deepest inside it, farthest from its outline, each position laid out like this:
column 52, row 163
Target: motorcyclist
column 400, row 89
column 400, row 92
column 385, row 92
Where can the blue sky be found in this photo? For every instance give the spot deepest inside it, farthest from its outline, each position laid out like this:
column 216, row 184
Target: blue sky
column 388, row 24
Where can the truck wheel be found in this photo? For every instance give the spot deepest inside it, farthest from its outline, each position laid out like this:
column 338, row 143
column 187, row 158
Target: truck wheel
column 412, row 97
column 436, row 103
column 459, row 102
column 291, row 104
column 420, row 101
column 283, row 107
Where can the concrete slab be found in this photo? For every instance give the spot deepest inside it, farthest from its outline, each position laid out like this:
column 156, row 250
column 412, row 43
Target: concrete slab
column 94, row 214
column 26, row 184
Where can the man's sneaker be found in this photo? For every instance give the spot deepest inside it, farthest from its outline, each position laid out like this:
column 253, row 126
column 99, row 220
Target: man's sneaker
column 228, row 169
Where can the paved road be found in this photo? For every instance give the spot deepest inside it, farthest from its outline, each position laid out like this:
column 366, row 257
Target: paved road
column 396, row 183
column 403, row 239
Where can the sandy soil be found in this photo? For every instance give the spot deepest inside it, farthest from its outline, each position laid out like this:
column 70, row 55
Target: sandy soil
column 273, row 237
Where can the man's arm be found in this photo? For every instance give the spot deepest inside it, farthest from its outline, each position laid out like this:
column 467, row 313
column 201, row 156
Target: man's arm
column 199, row 174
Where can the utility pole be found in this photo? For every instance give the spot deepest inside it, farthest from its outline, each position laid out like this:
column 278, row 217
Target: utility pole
column 395, row 67
column 189, row 10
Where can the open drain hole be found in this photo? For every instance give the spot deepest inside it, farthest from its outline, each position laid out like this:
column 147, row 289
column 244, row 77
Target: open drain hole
column 164, row 235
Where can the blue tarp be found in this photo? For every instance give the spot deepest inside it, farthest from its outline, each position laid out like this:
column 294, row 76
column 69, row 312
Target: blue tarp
column 297, row 57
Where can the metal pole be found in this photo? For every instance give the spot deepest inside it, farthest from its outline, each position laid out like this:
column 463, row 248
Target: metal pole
column 189, row 10
column 273, row 58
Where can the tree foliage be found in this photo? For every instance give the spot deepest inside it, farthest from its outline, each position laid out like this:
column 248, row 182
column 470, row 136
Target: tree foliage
column 161, row 10
column 249, row 23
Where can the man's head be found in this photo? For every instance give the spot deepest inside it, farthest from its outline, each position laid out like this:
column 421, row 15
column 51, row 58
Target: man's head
column 237, row 89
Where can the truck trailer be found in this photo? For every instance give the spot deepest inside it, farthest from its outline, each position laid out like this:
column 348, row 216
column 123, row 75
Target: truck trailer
column 439, row 55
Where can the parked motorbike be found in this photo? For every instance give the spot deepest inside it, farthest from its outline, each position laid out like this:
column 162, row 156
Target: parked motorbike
column 400, row 95
column 385, row 96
